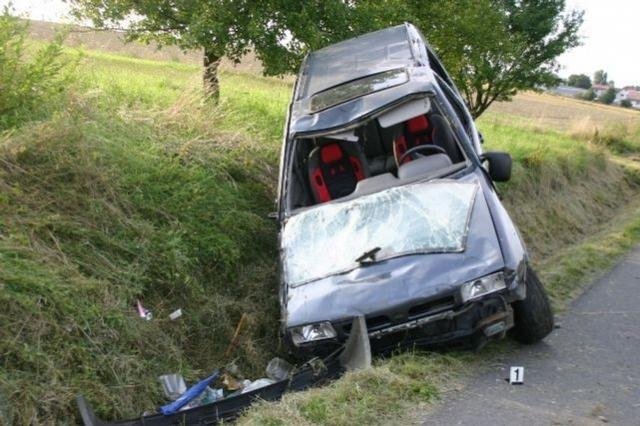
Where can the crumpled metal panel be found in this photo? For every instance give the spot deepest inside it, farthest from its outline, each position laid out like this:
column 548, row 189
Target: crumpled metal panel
column 426, row 217
column 421, row 81
column 399, row 282
column 356, row 58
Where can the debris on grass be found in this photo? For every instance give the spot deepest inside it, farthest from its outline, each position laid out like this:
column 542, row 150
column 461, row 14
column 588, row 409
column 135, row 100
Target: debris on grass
column 173, row 385
column 189, row 395
column 175, row 314
column 143, row 312
column 278, row 369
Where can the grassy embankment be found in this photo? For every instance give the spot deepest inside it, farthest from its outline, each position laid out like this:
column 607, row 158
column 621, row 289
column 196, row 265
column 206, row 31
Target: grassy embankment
column 134, row 189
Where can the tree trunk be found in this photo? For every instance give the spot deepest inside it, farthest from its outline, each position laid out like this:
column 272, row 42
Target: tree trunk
column 210, row 75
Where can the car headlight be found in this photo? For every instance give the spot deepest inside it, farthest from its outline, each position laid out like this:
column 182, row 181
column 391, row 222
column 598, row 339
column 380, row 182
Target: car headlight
column 312, row 332
column 482, row 286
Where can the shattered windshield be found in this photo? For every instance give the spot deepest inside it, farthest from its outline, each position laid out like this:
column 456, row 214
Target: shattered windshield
column 419, row 218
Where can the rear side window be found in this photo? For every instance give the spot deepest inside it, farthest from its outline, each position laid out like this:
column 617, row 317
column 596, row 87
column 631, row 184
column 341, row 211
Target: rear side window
column 458, row 107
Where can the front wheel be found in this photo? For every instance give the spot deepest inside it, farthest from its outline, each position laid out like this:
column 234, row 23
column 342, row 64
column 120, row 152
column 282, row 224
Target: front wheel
column 533, row 315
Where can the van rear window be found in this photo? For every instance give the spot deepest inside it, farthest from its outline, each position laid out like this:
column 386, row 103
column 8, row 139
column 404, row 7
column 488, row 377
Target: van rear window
column 354, row 89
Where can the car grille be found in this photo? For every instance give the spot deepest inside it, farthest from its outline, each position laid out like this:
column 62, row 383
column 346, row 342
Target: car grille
column 430, row 307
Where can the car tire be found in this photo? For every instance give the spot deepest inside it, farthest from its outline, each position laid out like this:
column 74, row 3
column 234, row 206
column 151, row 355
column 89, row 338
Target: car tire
column 533, row 315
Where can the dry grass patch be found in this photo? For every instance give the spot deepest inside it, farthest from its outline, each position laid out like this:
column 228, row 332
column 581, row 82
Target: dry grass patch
column 548, row 111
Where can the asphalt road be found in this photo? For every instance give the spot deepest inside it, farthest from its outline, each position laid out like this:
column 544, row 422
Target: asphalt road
column 586, row 372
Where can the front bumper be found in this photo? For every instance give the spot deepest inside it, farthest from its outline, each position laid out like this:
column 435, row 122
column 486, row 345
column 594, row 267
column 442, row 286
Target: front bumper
column 468, row 326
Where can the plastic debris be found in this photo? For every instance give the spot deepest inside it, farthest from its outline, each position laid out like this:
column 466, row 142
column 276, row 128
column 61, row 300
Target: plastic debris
column 257, row 384
column 143, row 312
column 189, row 395
column 210, row 395
column 230, row 383
column 357, row 349
column 173, row 385
column 175, row 314
column 233, row 369
column 279, row 369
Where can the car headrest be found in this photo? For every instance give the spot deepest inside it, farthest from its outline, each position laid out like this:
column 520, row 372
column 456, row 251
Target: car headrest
column 330, row 153
column 418, row 124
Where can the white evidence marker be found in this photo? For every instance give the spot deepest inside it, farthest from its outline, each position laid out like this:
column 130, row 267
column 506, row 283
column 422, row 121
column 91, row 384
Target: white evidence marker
column 516, row 376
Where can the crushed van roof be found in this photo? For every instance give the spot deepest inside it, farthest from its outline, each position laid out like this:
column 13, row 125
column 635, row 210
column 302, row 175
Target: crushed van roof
column 396, row 48
column 359, row 57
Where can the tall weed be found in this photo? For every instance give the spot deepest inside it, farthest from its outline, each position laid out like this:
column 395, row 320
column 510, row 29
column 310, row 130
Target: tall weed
column 32, row 84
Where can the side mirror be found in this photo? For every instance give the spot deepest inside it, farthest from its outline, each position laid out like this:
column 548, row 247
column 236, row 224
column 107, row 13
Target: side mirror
column 499, row 165
column 272, row 215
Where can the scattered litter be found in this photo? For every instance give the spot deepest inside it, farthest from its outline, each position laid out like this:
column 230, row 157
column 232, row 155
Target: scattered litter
column 211, row 403
column 225, row 384
column 229, row 382
column 173, row 385
column 233, row 369
column 175, row 314
column 516, row 376
column 257, row 384
column 278, row 369
column 210, row 395
column 144, row 312
column 189, row 395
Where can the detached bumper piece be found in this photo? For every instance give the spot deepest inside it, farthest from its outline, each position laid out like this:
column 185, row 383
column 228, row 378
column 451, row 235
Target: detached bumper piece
column 228, row 408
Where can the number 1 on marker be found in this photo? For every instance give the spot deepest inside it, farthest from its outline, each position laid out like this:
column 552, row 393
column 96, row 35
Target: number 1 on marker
column 516, row 376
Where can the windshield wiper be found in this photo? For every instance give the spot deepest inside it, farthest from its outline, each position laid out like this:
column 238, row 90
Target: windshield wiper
column 368, row 257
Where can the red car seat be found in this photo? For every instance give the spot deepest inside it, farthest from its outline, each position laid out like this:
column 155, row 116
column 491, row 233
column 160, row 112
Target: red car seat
column 335, row 168
column 424, row 130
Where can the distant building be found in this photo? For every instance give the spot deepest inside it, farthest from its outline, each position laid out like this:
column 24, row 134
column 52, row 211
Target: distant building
column 568, row 91
column 599, row 89
column 630, row 94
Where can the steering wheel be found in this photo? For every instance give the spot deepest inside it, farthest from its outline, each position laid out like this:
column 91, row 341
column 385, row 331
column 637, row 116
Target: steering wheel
column 416, row 149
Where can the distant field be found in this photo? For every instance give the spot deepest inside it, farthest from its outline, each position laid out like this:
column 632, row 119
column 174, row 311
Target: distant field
column 551, row 111
column 113, row 42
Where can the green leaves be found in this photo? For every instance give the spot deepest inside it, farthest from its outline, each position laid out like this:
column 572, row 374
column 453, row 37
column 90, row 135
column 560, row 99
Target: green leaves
column 491, row 48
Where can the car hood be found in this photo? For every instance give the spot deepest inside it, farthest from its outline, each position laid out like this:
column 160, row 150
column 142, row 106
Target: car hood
column 398, row 281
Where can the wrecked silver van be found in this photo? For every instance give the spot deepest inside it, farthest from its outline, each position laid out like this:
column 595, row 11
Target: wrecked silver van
column 388, row 210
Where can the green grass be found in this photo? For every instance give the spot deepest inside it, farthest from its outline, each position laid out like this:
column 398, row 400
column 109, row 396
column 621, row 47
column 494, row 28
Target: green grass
column 562, row 189
column 136, row 188
column 372, row 396
column 120, row 197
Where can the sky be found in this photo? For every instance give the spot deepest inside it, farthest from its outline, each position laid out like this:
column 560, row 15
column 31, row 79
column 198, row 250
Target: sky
column 609, row 34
